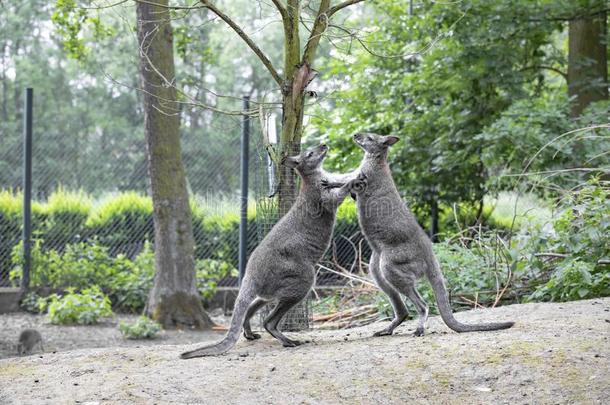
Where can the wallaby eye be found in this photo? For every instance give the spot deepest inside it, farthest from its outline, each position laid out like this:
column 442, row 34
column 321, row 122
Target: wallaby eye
column 310, row 154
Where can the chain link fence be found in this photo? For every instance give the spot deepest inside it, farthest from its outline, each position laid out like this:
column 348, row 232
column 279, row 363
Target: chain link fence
column 94, row 189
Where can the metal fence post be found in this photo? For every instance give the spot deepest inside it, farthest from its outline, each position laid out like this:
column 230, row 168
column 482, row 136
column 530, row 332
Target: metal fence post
column 243, row 182
column 27, row 188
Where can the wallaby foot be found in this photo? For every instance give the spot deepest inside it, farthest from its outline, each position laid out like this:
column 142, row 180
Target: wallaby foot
column 251, row 336
column 255, row 306
column 276, row 316
column 291, row 343
column 385, row 332
column 419, row 332
column 390, row 329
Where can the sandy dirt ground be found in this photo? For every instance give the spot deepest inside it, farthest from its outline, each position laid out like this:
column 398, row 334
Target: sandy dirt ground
column 555, row 354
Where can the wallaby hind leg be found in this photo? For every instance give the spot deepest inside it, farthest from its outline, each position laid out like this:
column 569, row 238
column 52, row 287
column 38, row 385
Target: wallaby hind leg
column 400, row 311
column 407, row 287
column 274, row 318
column 255, row 306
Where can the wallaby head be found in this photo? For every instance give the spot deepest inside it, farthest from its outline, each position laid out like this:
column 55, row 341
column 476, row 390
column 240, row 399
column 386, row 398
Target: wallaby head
column 307, row 161
column 373, row 144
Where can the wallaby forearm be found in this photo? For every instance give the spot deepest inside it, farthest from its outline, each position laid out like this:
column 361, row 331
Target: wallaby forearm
column 339, row 179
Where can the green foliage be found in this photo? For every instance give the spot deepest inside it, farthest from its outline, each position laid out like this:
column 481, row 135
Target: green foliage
column 574, row 280
column 31, row 302
column 125, row 282
column 129, row 290
column 122, row 219
column 209, row 272
column 69, row 20
column 466, row 86
column 84, row 308
column 65, row 213
column 78, row 266
column 536, row 135
column 571, row 246
column 142, row 328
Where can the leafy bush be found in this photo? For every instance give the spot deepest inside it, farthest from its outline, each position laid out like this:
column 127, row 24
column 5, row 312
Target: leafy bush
column 129, row 290
column 84, row 308
column 122, row 219
column 574, row 280
column 125, row 282
column 572, row 247
column 65, row 214
column 143, row 328
column 537, row 134
column 11, row 218
column 78, row 266
column 209, row 272
column 30, row 302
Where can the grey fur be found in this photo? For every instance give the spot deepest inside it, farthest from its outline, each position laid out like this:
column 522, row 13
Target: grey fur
column 281, row 268
column 28, row 339
column 402, row 251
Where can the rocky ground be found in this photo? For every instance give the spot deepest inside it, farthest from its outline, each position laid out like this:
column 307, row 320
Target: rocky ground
column 555, row 354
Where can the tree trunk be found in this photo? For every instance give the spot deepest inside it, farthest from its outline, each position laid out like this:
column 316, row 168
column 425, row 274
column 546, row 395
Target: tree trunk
column 292, row 109
column 174, row 299
column 587, row 61
column 290, row 143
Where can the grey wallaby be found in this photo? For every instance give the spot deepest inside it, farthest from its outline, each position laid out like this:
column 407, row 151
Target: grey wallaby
column 401, row 250
column 28, row 339
column 281, row 268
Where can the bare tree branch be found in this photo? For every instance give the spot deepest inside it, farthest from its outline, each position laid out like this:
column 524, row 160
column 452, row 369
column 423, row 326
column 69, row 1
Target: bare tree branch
column 280, row 7
column 340, row 6
column 261, row 55
column 153, row 3
column 551, row 68
column 319, row 26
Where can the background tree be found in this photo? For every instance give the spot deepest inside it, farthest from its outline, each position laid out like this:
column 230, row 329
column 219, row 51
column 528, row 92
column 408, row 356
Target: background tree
column 174, row 299
column 296, row 74
column 588, row 58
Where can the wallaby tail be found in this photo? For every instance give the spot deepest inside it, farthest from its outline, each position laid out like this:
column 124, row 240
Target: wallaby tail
column 242, row 302
column 444, row 307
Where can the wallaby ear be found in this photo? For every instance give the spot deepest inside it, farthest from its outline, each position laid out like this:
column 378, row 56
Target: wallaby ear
column 290, row 161
column 390, row 140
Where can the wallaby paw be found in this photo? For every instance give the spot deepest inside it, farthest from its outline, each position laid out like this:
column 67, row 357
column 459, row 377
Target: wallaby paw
column 291, row 343
column 327, row 185
column 385, row 332
column 357, row 186
column 252, row 336
column 419, row 332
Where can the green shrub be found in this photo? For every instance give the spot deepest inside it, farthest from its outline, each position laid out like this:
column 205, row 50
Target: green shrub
column 30, row 302
column 574, row 280
column 128, row 290
column 11, row 219
column 78, row 266
column 84, row 308
column 65, row 214
column 571, row 247
column 143, row 328
column 122, row 219
column 209, row 272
